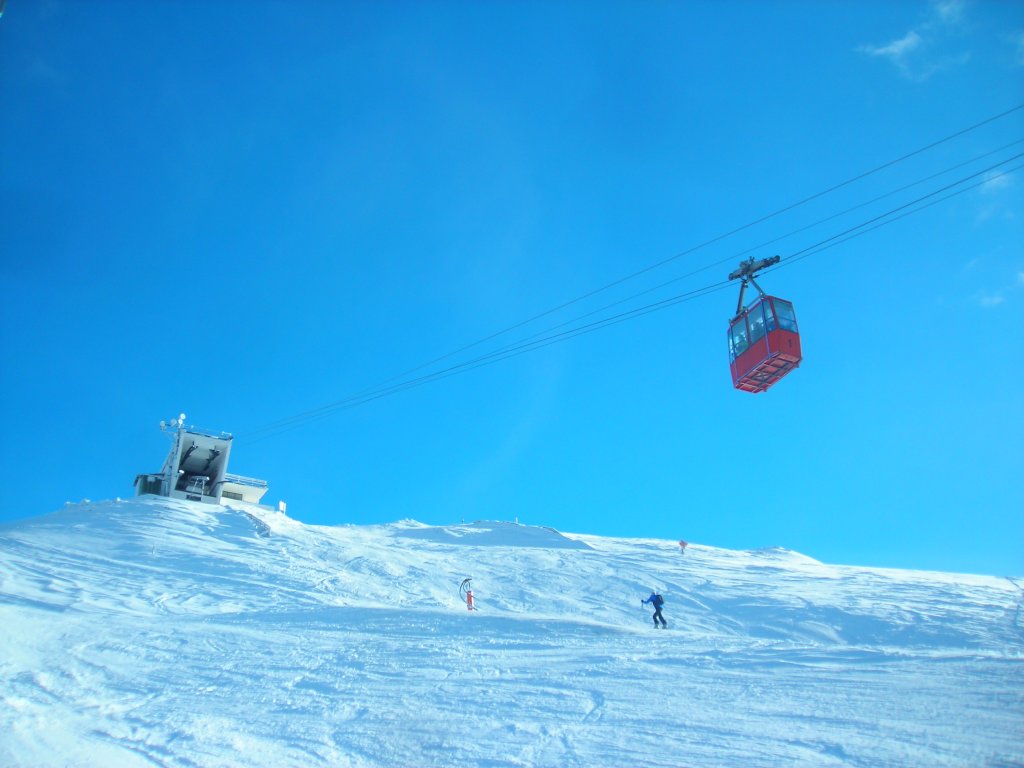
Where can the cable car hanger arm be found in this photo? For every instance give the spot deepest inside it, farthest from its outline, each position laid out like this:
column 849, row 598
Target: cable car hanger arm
column 745, row 273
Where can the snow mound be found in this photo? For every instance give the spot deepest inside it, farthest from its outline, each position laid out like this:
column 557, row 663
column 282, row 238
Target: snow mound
column 165, row 632
column 489, row 533
column 782, row 555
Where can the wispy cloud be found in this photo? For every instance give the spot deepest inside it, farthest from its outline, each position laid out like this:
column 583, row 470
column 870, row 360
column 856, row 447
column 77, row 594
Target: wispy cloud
column 994, row 182
column 924, row 51
column 897, row 51
column 994, row 201
column 949, row 11
column 990, row 299
column 1017, row 40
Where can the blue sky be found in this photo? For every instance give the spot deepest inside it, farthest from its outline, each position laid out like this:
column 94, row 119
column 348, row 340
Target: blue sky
column 246, row 211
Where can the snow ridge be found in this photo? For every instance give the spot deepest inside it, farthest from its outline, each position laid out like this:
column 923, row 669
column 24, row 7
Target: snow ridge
column 163, row 632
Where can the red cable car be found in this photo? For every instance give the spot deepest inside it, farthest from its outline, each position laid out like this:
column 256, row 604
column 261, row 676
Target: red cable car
column 764, row 343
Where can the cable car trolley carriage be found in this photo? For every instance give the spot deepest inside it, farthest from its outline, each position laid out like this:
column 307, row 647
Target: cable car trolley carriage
column 764, row 343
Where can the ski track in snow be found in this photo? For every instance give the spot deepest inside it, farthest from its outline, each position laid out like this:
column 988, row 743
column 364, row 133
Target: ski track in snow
column 156, row 632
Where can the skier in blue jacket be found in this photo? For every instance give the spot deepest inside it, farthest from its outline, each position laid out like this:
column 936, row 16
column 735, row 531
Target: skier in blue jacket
column 657, row 601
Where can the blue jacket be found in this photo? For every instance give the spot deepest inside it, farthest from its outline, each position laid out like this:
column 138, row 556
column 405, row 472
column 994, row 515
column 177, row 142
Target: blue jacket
column 650, row 600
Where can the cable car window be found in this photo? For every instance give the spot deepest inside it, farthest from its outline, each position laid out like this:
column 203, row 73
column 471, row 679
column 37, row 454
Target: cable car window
column 769, row 317
column 756, row 319
column 739, row 337
column 787, row 318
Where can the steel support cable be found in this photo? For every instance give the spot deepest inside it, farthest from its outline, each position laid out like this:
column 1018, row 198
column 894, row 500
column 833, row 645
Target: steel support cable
column 889, row 213
column 515, row 351
column 831, row 243
column 372, row 392
column 509, row 351
column 739, row 229
column 857, row 207
column 734, row 257
column 329, row 407
column 850, row 234
column 526, row 345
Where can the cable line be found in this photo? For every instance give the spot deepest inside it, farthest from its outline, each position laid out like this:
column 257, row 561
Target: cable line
column 525, row 345
column 734, row 257
column 509, row 351
column 816, row 249
column 528, row 345
column 661, row 263
column 737, row 230
column 914, row 202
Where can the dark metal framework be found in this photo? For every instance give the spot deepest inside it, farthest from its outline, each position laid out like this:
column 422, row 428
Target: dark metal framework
column 745, row 274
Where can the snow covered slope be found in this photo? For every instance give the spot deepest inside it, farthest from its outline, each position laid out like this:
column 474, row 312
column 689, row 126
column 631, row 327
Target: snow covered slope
column 159, row 632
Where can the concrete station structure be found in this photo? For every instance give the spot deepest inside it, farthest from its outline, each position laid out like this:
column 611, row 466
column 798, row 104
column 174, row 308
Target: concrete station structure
column 197, row 469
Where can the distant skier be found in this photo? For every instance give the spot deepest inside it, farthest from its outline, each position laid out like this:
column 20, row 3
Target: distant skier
column 657, row 601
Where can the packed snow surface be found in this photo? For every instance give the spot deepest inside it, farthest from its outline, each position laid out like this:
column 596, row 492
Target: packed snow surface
column 168, row 633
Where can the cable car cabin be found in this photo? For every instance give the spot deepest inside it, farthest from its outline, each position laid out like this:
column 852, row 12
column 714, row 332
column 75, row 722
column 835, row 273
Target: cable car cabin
column 764, row 344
